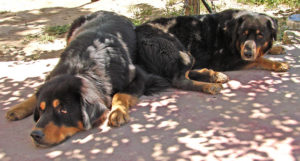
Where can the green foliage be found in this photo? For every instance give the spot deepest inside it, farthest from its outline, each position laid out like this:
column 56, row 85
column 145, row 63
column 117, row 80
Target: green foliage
column 292, row 3
column 144, row 12
column 4, row 12
column 44, row 38
column 282, row 26
column 56, row 30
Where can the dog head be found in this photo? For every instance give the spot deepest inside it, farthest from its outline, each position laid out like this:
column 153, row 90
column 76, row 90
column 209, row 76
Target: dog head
column 253, row 34
column 66, row 105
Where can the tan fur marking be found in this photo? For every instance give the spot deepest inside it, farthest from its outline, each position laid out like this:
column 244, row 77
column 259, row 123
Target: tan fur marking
column 43, row 105
column 119, row 114
column 55, row 103
column 187, row 74
column 276, row 50
column 55, row 134
column 22, row 109
column 267, row 64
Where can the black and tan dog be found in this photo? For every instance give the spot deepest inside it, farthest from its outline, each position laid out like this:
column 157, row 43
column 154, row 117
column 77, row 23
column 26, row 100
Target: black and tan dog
column 181, row 49
column 94, row 74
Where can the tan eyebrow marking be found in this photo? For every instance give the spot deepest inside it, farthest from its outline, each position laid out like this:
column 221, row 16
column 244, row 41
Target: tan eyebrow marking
column 55, row 103
column 43, row 105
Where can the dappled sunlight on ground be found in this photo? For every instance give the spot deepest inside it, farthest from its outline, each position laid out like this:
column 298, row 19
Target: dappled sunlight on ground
column 256, row 117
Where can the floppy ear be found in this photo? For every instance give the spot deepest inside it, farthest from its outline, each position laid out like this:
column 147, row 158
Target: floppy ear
column 273, row 25
column 36, row 114
column 231, row 29
column 93, row 106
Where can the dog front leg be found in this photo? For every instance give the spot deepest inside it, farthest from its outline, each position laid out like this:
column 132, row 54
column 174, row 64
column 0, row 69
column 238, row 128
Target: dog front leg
column 207, row 75
column 121, row 103
column 272, row 65
column 22, row 109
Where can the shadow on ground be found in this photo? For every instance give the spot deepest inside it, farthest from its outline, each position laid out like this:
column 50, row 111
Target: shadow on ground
column 255, row 118
column 18, row 32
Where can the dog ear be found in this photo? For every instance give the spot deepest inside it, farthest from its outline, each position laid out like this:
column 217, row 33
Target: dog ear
column 93, row 106
column 36, row 114
column 273, row 25
column 230, row 30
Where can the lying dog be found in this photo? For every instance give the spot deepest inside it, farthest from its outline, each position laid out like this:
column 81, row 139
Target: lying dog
column 94, row 73
column 181, row 48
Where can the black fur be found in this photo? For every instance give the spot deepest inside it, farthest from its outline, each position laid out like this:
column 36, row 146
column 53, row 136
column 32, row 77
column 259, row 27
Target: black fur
column 169, row 47
column 96, row 64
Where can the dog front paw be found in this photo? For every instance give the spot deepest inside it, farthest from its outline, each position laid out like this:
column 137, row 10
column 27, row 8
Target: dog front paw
column 15, row 114
column 213, row 88
column 277, row 50
column 118, row 116
column 281, row 67
column 219, row 77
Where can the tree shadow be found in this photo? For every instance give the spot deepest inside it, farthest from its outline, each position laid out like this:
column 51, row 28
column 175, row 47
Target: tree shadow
column 255, row 118
column 15, row 27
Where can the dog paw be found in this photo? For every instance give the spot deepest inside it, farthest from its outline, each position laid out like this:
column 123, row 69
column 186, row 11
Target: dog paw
column 219, row 77
column 15, row 114
column 277, row 50
column 117, row 117
column 213, row 88
column 281, row 67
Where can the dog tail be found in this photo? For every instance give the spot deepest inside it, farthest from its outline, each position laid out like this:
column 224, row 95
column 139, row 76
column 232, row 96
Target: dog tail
column 154, row 84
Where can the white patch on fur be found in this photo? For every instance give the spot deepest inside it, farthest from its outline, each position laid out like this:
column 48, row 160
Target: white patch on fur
column 131, row 68
column 186, row 60
column 194, row 23
column 103, row 58
column 242, row 13
column 120, row 38
column 202, row 18
column 86, row 119
column 164, row 28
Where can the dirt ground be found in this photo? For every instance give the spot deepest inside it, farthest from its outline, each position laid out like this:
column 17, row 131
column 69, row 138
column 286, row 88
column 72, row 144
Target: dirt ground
column 22, row 21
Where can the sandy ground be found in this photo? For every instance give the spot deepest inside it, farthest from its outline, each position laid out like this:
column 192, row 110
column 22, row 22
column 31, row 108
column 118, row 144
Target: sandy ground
column 256, row 117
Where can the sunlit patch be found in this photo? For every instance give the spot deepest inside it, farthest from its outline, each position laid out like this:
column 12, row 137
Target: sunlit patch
column 125, row 140
column 84, row 140
column 43, row 105
column 54, row 154
column 55, row 103
column 145, row 139
column 95, row 151
column 109, row 150
column 168, row 125
column 136, row 128
column 233, row 84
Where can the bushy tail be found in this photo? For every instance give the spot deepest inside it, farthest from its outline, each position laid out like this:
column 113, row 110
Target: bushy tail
column 155, row 84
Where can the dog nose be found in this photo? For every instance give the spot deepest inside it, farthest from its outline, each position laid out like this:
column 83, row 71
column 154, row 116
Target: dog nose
column 248, row 54
column 37, row 135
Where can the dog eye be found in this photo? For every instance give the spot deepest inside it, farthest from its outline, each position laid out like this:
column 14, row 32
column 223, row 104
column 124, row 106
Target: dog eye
column 63, row 110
